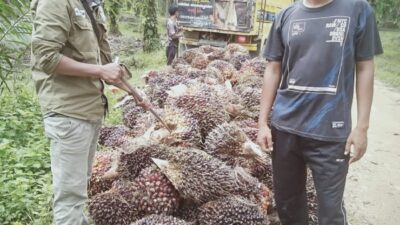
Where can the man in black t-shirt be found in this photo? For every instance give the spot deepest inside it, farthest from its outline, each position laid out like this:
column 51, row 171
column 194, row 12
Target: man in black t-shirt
column 314, row 49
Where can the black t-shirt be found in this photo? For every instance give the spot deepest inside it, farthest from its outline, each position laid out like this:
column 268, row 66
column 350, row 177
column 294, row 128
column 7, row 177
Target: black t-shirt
column 318, row 48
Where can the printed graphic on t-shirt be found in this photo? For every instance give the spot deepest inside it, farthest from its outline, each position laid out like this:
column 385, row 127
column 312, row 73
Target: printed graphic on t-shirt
column 311, row 72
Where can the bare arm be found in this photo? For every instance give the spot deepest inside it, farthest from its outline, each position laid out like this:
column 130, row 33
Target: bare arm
column 111, row 72
column 364, row 90
column 272, row 78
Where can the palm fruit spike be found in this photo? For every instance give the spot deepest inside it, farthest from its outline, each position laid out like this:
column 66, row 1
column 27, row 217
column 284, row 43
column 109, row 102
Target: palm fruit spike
column 160, row 220
column 158, row 195
column 230, row 144
column 111, row 208
column 231, row 210
column 133, row 160
column 238, row 59
column 201, row 178
column 208, row 111
column 103, row 166
column 114, row 136
column 185, row 129
column 227, row 70
column 232, row 49
column 255, row 67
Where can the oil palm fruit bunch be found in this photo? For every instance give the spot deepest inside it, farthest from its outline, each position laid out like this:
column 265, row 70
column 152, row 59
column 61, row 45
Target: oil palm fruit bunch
column 230, row 144
column 158, row 86
column 190, row 54
column 200, row 62
column 133, row 160
column 208, row 111
column 179, row 61
column 231, row 210
column 248, row 81
column 157, row 194
column 250, row 128
column 213, row 53
column 137, row 119
column 201, row 178
column 227, row 70
column 114, row 136
column 232, row 49
column 111, row 208
column 102, row 176
column 251, row 99
column 182, row 69
column 185, row 129
column 238, row 59
column 188, row 211
column 253, row 67
column 160, row 220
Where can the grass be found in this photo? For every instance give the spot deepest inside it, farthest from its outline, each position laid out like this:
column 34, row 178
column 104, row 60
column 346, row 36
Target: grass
column 388, row 64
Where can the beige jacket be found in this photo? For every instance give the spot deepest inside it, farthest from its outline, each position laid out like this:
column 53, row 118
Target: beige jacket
column 62, row 27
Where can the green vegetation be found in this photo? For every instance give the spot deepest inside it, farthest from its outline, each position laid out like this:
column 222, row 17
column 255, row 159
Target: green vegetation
column 25, row 181
column 387, row 65
column 25, row 162
column 387, row 12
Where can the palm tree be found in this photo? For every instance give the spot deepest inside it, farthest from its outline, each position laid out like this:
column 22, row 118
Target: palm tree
column 15, row 32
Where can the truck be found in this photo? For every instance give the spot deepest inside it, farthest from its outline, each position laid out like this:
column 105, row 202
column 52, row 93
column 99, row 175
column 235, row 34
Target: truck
column 221, row 22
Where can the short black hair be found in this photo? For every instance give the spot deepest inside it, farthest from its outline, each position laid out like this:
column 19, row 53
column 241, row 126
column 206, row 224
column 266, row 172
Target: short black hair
column 173, row 9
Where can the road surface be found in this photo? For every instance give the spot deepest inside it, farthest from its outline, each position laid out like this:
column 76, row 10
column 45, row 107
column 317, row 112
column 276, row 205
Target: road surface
column 373, row 185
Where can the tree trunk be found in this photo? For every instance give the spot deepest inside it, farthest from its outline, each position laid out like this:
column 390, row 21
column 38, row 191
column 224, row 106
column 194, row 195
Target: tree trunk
column 151, row 39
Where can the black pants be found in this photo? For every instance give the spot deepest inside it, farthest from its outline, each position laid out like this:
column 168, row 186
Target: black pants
column 329, row 166
column 171, row 52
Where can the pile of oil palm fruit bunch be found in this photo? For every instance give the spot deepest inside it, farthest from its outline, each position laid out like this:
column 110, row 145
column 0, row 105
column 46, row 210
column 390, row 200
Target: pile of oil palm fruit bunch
column 205, row 169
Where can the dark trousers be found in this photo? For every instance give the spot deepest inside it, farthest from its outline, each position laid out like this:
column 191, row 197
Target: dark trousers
column 329, row 166
column 171, row 52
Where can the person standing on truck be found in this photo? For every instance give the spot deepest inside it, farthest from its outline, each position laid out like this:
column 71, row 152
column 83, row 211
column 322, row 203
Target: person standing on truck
column 316, row 49
column 71, row 58
column 173, row 34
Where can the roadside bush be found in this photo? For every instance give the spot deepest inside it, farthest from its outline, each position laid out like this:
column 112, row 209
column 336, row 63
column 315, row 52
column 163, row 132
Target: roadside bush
column 25, row 193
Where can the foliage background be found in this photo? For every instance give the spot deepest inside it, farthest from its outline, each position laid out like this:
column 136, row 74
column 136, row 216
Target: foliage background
column 25, row 181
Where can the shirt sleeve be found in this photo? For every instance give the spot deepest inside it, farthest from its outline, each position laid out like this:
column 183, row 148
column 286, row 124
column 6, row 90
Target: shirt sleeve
column 368, row 42
column 51, row 25
column 274, row 48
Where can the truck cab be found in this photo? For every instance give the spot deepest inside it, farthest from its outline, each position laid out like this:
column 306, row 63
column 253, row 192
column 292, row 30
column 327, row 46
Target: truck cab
column 220, row 22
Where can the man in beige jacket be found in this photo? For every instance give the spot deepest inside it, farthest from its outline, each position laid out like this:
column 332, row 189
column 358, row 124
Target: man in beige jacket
column 70, row 60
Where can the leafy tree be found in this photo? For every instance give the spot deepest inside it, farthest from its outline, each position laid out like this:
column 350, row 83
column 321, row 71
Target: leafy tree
column 387, row 12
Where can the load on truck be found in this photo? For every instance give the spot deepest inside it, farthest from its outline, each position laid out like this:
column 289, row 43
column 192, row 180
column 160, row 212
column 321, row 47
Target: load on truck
column 220, row 22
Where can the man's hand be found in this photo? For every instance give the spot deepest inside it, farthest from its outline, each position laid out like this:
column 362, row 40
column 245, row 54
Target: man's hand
column 358, row 139
column 264, row 139
column 145, row 104
column 111, row 73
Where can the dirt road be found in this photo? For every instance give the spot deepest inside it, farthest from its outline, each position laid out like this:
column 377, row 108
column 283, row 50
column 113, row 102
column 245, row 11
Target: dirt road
column 373, row 184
